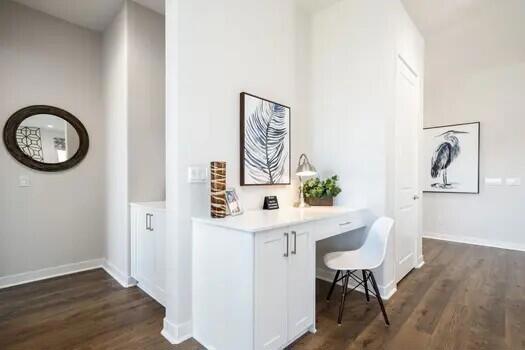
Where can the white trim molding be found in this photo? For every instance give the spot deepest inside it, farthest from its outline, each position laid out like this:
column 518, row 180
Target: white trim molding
column 420, row 262
column 67, row 269
column 385, row 291
column 176, row 333
column 475, row 241
column 123, row 279
column 50, row 272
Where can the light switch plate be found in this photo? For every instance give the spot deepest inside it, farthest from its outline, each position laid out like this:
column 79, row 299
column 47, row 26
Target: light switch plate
column 513, row 181
column 197, row 174
column 24, row 181
column 493, row 181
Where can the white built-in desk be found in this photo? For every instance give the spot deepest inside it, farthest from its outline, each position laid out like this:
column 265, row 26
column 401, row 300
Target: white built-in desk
column 254, row 275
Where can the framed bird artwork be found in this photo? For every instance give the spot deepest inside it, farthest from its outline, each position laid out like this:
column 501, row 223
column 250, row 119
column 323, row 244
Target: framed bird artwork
column 451, row 158
column 265, row 142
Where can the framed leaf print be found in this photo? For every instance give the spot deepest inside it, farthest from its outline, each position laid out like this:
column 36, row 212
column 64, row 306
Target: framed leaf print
column 265, row 142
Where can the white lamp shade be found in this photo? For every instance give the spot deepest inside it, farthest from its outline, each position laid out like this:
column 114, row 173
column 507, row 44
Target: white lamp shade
column 305, row 168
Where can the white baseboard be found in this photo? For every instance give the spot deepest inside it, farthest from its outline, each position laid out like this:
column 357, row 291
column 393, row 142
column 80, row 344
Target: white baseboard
column 176, row 333
column 62, row 270
column 50, row 272
column 119, row 276
column 420, row 262
column 388, row 291
column 475, row 241
column 153, row 291
column 328, row 275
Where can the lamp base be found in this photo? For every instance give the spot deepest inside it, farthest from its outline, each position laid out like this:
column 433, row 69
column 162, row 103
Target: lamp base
column 301, row 204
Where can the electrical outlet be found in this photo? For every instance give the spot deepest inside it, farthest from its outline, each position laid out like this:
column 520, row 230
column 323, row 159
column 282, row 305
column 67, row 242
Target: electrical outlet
column 513, row 181
column 493, row 181
column 24, row 181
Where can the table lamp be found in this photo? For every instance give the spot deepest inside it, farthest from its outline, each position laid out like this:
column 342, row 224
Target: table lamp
column 304, row 169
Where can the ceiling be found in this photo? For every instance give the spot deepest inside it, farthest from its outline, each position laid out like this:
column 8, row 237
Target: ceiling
column 312, row 6
column 91, row 14
column 434, row 17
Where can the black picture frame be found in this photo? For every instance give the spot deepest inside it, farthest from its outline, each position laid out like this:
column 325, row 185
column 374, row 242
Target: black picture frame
column 479, row 157
column 243, row 141
column 19, row 116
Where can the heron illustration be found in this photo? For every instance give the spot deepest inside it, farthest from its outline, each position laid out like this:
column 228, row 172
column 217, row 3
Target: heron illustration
column 444, row 155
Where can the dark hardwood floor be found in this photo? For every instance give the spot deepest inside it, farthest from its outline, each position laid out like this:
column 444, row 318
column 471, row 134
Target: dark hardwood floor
column 465, row 297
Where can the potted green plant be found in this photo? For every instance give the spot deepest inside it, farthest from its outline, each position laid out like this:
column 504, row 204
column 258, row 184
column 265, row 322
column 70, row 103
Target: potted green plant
column 321, row 193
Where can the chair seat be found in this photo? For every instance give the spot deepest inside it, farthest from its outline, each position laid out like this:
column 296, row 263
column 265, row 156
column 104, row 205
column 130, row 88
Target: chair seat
column 352, row 260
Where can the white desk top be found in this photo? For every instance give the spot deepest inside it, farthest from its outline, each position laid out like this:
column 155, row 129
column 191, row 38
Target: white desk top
column 263, row 220
column 155, row 205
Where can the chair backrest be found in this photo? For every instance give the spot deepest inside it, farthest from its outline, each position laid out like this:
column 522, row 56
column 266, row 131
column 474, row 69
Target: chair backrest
column 376, row 241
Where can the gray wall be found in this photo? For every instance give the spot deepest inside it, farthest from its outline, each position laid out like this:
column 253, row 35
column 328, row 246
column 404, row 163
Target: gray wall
column 146, row 104
column 59, row 220
column 475, row 71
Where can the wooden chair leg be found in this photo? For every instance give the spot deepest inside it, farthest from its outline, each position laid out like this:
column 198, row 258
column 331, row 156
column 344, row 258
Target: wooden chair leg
column 365, row 285
column 333, row 285
column 343, row 297
column 378, row 296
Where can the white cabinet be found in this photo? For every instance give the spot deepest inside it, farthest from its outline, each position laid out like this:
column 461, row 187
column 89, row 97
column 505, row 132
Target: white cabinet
column 254, row 275
column 148, row 235
column 284, row 288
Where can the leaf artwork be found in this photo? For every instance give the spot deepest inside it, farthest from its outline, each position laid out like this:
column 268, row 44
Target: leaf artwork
column 266, row 149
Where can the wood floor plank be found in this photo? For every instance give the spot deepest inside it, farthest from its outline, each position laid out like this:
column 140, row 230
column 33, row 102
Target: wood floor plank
column 464, row 297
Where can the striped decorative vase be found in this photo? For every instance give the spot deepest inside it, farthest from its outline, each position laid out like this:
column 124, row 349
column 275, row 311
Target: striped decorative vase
column 218, row 189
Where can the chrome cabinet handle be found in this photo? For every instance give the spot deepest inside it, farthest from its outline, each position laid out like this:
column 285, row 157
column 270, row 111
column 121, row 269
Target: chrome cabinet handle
column 287, row 244
column 345, row 223
column 150, row 225
column 294, row 234
column 148, row 222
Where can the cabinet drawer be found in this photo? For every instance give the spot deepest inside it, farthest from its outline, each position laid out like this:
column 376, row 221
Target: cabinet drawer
column 331, row 227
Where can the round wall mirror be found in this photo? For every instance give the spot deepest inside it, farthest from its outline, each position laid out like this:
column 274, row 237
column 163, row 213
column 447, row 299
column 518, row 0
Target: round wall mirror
column 46, row 138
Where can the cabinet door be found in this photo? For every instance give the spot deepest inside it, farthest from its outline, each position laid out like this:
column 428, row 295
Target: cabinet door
column 271, row 260
column 301, row 282
column 158, row 223
column 139, row 237
column 146, row 252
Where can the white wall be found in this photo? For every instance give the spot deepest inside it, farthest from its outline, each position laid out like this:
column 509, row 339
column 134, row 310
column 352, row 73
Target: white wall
column 59, row 220
column 475, row 71
column 134, row 76
column 215, row 50
column 351, row 125
column 116, row 125
column 350, row 100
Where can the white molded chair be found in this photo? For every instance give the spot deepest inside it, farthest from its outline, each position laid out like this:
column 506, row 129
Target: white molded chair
column 370, row 256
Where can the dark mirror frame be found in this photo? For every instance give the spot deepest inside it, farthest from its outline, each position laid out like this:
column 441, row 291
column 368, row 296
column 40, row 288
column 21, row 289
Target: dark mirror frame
column 16, row 119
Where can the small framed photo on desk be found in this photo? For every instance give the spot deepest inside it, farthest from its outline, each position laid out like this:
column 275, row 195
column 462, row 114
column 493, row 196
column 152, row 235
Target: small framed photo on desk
column 232, row 200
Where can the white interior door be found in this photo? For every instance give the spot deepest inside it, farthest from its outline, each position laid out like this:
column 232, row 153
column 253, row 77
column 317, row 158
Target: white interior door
column 408, row 118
